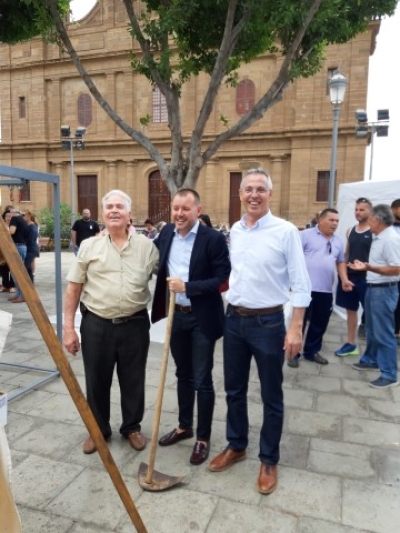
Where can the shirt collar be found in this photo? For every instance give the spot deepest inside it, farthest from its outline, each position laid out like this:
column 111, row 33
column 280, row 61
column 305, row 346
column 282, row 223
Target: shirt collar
column 194, row 230
column 261, row 222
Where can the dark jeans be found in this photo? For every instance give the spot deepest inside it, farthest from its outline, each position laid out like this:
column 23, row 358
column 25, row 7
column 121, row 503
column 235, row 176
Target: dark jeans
column 193, row 354
column 260, row 336
column 317, row 314
column 104, row 346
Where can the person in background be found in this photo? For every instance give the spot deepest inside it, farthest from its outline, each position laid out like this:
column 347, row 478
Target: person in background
column 225, row 230
column 267, row 263
column 7, row 281
column 381, row 297
column 160, row 225
column 324, row 255
column 19, row 232
column 113, row 294
column 33, row 244
column 82, row 229
column 205, row 220
column 359, row 240
column 194, row 263
column 395, row 207
column 150, row 232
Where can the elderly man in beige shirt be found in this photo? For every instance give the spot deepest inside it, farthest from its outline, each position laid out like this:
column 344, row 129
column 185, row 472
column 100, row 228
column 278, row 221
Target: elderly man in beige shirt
column 110, row 279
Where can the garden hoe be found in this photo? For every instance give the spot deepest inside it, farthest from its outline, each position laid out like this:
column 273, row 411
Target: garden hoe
column 150, row 479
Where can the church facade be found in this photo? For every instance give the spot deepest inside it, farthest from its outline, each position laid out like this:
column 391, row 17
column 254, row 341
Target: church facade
column 40, row 91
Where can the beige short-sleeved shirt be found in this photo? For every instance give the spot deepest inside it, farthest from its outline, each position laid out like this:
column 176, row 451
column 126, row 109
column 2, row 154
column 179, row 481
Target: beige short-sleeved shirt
column 115, row 283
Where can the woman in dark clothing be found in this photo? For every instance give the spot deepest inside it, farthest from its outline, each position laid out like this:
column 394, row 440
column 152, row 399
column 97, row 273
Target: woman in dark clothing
column 5, row 274
column 205, row 220
column 32, row 246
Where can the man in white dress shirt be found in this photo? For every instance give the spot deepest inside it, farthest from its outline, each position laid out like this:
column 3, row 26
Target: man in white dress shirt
column 267, row 262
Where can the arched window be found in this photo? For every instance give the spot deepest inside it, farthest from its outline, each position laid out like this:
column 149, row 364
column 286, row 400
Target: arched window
column 84, row 110
column 245, row 96
column 159, row 113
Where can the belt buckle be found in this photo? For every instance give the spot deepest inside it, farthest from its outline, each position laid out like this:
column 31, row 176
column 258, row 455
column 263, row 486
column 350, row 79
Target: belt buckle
column 117, row 320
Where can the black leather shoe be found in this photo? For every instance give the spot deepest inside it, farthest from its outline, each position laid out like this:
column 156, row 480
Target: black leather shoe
column 200, row 453
column 173, row 437
column 320, row 360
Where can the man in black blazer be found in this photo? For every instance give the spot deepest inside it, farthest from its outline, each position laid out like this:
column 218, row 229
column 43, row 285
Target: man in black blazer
column 194, row 263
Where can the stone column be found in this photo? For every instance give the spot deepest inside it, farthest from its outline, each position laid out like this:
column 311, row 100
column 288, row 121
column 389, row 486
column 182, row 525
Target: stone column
column 112, row 175
column 277, row 162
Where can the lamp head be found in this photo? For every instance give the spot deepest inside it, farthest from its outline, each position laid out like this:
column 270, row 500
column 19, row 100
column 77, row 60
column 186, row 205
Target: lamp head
column 337, row 88
column 80, row 132
column 65, row 131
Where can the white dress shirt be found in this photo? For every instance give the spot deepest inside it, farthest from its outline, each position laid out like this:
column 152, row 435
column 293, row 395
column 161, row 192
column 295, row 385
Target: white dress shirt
column 268, row 266
column 385, row 251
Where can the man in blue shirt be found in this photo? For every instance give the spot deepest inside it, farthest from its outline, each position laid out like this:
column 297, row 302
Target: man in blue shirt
column 194, row 263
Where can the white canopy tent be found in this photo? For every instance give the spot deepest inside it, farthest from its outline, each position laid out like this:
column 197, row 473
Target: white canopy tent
column 377, row 192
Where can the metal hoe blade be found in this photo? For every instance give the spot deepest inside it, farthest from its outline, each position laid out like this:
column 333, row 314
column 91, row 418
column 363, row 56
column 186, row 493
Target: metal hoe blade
column 158, row 480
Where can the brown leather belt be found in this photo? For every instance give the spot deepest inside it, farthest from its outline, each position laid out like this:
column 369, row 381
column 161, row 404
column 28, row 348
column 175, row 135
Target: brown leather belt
column 244, row 311
column 183, row 308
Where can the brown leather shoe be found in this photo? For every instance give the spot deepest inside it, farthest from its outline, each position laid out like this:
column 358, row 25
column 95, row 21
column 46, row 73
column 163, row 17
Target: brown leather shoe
column 89, row 446
column 226, row 459
column 175, row 436
column 268, row 478
column 137, row 441
column 200, row 453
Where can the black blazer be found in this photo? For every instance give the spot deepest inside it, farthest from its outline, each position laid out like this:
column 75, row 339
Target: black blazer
column 209, row 268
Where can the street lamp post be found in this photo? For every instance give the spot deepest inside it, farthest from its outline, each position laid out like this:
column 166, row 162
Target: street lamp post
column 337, row 89
column 69, row 142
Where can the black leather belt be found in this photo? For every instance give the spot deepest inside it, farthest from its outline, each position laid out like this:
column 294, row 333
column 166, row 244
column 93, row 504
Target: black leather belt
column 183, row 308
column 387, row 284
column 244, row 311
column 118, row 320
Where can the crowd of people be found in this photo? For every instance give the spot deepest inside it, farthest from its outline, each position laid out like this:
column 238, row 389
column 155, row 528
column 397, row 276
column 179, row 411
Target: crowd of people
column 24, row 231
column 265, row 262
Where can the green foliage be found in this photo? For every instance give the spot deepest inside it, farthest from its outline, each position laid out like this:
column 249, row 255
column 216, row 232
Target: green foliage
column 46, row 221
column 268, row 26
column 21, row 20
column 145, row 121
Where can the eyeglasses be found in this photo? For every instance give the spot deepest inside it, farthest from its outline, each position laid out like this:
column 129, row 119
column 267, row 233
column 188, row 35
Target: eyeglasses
column 257, row 190
column 329, row 247
column 362, row 201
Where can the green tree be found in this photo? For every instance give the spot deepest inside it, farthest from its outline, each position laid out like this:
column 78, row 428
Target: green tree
column 46, row 222
column 24, row 19
column 179, row 39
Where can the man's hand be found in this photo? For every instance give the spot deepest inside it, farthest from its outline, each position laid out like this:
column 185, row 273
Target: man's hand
column 176, row 285
column 347, row 285
column 71, row 341
column 293, row 342
column 358, row 265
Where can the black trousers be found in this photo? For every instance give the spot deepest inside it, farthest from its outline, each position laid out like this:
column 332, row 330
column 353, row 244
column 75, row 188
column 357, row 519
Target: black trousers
column 124, row 346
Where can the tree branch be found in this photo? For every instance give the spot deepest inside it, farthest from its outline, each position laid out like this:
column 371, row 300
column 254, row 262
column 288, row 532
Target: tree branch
column 131, row 132
column 272, row 96
column 170, row 93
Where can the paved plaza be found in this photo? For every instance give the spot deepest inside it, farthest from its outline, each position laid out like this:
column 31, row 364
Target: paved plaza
column 340, row 452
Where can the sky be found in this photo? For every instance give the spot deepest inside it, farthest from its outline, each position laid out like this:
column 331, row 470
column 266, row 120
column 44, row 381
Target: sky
column 381, row 94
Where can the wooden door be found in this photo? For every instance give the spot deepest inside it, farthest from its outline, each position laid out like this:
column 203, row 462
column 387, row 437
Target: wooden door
column 159, row 199
column 87, row 195
column 234, row 200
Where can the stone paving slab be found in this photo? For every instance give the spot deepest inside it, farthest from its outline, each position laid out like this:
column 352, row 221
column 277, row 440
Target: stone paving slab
column 340, row 457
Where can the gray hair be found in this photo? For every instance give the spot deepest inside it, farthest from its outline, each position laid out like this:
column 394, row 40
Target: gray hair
column 257, row 171
column 117, row 192
column 383, row 213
